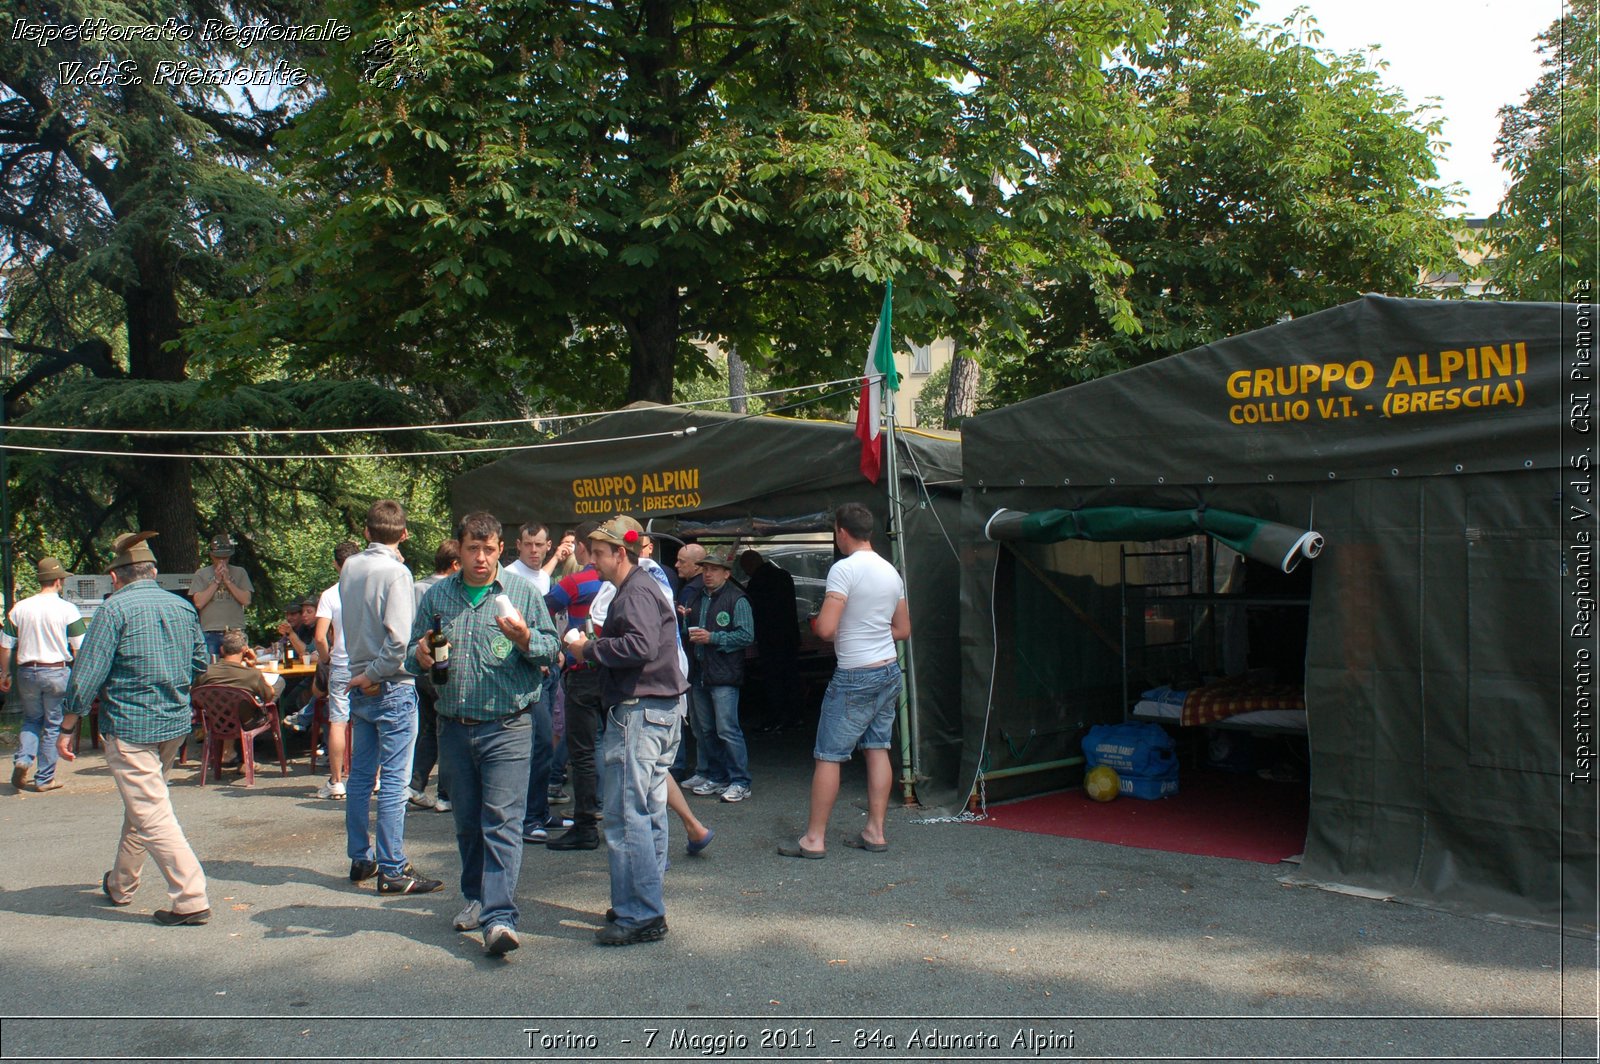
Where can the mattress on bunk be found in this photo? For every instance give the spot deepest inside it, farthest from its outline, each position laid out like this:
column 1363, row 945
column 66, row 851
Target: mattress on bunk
column 1276, row 719
column 1235, row 701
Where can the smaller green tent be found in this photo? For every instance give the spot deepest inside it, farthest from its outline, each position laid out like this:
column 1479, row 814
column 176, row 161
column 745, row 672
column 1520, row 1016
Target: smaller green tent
column 759, row 475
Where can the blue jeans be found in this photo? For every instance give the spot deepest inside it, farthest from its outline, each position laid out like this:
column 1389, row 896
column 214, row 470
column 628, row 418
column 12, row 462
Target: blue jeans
column 640, row 742
column 213, row 644
column 539, row 761
column 716, row 716
column 42, row 693
column 858, row 709
column 383, row 730
column 488, row 769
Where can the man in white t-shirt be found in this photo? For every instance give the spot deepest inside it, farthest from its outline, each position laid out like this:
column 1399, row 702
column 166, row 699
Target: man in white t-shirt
column 329, row 638
column 863, row 613
column 43, row 632
column 535, row 560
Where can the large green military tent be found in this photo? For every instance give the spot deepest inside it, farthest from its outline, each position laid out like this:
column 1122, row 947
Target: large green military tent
column 760, row 475
column 1434, row 446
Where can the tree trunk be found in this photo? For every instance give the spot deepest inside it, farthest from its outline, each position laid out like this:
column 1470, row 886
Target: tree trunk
column 164, row 495
column 654, row 356
column 163, row 487
column 961, row 398
column 736, row 384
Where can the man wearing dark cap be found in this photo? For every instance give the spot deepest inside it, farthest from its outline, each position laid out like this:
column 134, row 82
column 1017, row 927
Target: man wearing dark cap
column 43, row 633
column 220, row 592
column 720, row 628
column 140, row 657
column 641, row 681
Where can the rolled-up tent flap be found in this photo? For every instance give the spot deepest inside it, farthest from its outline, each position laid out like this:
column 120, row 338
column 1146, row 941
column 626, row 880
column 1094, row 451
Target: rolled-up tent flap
column 1281, row 546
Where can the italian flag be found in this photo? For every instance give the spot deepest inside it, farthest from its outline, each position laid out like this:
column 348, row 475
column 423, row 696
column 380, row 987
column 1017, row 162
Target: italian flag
column 880, row 364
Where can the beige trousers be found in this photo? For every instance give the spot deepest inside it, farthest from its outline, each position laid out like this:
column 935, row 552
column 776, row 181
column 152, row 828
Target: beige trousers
column 150, row 825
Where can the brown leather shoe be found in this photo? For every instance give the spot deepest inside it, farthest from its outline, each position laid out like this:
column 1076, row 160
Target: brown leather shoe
column 168, row 918
column 52, row 785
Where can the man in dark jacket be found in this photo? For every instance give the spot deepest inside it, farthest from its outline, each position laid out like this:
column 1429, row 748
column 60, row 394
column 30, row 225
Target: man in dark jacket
column 720, row 628
column 640, row 684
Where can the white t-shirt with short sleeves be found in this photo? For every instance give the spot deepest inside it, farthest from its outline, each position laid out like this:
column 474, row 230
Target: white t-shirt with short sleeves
column 537, row 577
column 872, row 589
column 328, row 606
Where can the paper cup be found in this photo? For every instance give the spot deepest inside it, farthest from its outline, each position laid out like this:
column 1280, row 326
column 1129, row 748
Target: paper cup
column 504, row 608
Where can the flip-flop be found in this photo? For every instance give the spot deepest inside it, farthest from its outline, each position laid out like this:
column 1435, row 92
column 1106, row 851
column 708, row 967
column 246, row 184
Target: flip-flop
column 856, row 842
column 696, row 848
column 798, row 850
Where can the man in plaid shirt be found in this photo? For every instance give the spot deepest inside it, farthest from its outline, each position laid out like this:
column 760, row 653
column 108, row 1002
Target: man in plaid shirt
column 500, row 637
column 142, row 651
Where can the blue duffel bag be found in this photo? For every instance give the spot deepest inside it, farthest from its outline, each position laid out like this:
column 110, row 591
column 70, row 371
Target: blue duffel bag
column 1132, row 749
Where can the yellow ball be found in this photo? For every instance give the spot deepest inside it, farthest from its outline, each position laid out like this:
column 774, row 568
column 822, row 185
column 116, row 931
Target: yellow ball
column 1101, row 783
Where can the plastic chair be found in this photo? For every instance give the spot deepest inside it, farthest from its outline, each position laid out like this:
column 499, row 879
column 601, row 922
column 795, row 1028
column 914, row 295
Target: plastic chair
column 225, row 710
column 319, row 727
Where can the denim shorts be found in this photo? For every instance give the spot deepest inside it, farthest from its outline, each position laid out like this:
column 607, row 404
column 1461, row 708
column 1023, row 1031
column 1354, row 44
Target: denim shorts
column 858, row 710
column 338, row 694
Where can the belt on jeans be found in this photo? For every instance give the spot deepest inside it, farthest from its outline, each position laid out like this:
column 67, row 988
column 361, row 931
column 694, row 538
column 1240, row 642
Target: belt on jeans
column 44, row 665
column 493, row 720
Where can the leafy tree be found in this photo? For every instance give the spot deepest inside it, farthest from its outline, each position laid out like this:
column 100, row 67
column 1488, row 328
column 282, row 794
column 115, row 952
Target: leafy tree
column 129, row 186
column 559, row 197
column 1290, row 179
column 1546, row 234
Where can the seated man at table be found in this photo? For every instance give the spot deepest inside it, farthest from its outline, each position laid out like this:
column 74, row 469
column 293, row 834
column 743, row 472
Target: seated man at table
column 299, row 628
column 231, row 670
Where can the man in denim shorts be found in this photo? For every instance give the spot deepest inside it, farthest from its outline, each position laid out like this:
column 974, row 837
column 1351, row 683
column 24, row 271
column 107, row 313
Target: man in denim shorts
column 863, row 614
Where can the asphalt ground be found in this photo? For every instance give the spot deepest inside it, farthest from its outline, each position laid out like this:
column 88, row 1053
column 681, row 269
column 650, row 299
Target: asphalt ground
column 962, row 942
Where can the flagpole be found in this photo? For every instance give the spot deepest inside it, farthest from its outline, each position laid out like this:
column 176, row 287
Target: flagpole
column 908, row 666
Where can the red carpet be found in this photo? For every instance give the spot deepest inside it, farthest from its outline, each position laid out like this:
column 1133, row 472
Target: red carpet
column 1214, row 814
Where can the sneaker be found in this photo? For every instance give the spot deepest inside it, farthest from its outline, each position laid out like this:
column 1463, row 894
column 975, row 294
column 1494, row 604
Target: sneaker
column 330, row 789
column 576, row 839
column 737, row 792
column 692, row 782
column 420, row 799
column 542, row 832
column 614, row 934
column 467, row 919
column 499, row 940
column 361, row 871
column 709, row 787
column 442, row 805
column 557, row 796
column 407, row 882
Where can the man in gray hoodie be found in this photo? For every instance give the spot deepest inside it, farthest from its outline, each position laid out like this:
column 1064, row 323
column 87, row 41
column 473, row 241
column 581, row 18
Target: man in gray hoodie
column 377, row 607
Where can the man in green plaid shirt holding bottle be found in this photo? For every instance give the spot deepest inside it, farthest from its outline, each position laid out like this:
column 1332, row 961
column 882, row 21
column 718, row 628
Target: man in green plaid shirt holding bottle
column 500, row 637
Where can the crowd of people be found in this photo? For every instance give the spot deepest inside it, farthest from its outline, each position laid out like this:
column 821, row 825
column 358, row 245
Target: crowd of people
column 575, row 664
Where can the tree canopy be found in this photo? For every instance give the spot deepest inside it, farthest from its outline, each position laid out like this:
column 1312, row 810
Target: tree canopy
column 130, row 185
column 1546, row 234
column 562, row 195
column 1289, row 179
